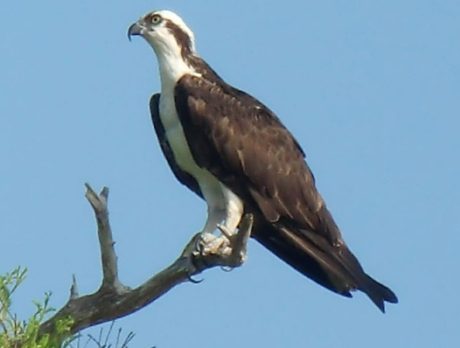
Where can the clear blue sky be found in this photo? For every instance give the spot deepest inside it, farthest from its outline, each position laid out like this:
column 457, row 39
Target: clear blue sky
column 371, row 89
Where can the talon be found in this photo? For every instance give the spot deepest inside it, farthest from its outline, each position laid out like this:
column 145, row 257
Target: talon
column 215, row 246
column 199, row 243
column 227, row 268
column 225, row 231
column 194, row 281
column 202, row 239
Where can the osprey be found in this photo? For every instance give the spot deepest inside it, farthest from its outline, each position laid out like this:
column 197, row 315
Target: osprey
column 233, row 151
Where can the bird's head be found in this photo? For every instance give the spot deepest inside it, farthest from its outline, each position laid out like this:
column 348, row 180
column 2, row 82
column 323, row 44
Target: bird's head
column 166, row 32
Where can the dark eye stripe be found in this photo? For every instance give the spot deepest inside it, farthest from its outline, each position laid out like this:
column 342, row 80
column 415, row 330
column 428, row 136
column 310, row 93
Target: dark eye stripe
column 182, row 38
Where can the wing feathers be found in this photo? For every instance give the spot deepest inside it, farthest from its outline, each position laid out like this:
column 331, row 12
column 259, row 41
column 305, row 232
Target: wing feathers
column 248, row 140
column 246, row 147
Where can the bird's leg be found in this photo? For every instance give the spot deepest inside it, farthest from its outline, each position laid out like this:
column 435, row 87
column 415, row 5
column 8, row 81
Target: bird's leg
column 208, row 243
column 211, row 244
column 230, row 236
column 233, row 213
column 229, row 250
column 228, row 229
column 225, row 210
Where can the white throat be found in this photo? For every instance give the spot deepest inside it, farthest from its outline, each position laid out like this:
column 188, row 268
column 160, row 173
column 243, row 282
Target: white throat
column 171, row 64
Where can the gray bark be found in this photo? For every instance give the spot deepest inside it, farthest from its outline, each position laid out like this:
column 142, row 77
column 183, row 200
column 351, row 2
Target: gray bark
column 114, row 299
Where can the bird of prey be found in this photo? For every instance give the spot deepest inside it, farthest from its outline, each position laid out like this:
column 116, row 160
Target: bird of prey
column 234, row 152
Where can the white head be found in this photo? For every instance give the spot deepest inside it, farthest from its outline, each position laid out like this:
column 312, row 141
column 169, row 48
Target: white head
column 172, row 41
column 166, row 32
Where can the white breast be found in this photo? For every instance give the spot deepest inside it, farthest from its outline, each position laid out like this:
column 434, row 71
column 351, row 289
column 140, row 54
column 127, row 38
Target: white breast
column 176, row 137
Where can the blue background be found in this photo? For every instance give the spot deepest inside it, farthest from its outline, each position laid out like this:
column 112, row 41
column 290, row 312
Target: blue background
column 371, row 91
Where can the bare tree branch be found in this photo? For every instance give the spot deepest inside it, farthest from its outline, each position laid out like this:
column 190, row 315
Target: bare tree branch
column 108, row 257
column 114, row 300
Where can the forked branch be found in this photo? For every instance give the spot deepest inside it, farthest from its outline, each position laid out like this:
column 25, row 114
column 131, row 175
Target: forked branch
column 114, row 300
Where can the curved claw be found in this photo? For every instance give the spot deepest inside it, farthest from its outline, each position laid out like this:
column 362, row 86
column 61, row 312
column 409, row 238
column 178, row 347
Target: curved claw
column 227, row 268
column 199, row 243
column 194, row 281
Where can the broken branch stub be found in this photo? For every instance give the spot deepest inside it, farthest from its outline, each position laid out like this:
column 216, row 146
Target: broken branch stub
column 114, row 300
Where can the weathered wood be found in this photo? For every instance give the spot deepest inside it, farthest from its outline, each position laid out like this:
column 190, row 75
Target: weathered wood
column 114, row 300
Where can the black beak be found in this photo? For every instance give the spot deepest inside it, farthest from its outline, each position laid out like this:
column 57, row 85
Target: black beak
column 134, row 30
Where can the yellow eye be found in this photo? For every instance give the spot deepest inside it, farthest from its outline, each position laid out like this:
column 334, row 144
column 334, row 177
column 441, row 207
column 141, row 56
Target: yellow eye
column 156, row 18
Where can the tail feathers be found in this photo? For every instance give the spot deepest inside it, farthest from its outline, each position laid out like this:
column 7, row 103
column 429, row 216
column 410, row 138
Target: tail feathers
column 335, row 268
column 378, row 293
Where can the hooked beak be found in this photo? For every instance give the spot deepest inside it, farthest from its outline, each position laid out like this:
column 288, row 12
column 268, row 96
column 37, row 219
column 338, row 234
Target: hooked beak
column 135, row 30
